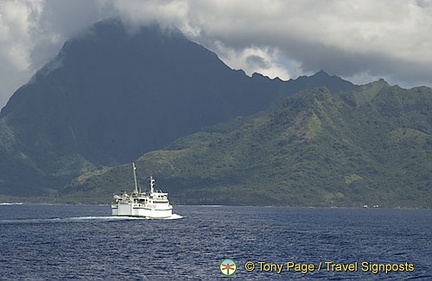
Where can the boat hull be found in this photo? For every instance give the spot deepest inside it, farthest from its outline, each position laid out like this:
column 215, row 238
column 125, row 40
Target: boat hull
column 131, row 210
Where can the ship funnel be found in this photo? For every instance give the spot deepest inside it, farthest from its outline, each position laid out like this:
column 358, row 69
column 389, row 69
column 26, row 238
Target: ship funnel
column 135, row 178
column 152, row 182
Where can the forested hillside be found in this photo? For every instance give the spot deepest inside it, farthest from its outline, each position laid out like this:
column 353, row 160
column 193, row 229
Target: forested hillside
column 371, row 147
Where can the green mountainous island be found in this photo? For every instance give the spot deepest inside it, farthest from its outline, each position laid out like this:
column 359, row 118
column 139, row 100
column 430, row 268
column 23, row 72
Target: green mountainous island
column 207, row 133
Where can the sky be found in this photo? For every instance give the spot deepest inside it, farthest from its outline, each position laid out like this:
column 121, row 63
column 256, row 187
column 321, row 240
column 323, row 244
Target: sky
column 360, row 41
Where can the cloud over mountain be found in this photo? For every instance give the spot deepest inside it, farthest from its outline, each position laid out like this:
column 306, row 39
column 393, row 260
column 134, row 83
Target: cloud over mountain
column 356, row 40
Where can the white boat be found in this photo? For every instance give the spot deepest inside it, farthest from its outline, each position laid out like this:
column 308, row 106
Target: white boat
column 153, row 204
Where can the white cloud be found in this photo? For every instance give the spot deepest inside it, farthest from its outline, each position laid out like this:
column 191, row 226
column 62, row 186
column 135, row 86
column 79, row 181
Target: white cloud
column 286, row 38
column 165, row 12
column 17, row 21
column 264, row 60
column 343, row 37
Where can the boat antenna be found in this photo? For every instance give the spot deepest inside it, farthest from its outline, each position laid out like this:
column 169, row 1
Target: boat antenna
column 135, row 178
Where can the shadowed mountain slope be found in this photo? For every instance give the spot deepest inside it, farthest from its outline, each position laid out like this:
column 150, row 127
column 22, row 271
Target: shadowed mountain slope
column 113, row 94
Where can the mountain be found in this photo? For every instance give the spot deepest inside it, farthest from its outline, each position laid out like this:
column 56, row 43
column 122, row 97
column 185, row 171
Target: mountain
column 373, row 146
column 114, row 93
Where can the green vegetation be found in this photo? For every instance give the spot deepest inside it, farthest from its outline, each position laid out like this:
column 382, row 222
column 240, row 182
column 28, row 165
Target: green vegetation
column 371, row 147
column 110, row 96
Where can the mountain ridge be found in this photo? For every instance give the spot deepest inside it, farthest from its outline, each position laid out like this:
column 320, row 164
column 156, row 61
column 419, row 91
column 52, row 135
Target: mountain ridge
column 101, row 100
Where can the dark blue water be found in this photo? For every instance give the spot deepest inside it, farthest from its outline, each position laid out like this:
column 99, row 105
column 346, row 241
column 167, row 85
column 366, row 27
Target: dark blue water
column 57, row 242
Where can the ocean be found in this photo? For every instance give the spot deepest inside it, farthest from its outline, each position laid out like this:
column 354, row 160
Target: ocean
column 83, row 242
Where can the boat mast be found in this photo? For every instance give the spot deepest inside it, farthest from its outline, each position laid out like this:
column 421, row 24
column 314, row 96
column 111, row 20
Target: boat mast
column 135, row 178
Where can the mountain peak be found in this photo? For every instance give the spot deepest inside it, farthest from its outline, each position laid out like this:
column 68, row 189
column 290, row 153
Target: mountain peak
column 321, row 73
column 114, row 93
column 334, row 83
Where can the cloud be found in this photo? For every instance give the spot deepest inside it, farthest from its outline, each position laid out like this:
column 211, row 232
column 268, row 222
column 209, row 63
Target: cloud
column 16, row 23
column 286, row 38
column 144, row 12
column 344, row 37
column 252, row 59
